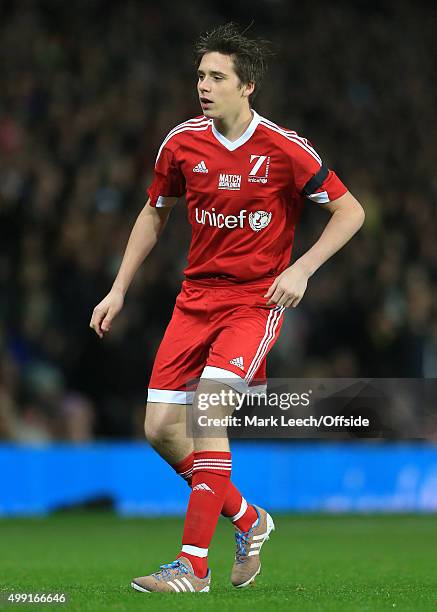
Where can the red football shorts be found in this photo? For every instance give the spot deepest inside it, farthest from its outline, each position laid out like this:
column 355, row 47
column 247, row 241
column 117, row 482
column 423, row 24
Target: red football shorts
column 218, row 333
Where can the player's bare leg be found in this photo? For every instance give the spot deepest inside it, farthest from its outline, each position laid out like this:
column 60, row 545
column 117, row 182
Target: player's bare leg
column 166, row 430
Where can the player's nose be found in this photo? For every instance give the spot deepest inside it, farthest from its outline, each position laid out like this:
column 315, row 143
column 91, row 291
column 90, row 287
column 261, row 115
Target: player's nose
column 204, row 86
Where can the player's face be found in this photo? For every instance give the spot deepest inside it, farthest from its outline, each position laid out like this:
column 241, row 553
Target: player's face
column 220, row 92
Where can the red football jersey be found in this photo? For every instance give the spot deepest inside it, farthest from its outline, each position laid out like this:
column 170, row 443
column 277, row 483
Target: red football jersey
column 243, row 197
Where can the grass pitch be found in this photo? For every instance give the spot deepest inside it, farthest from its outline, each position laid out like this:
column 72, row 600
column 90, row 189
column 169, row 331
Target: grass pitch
column 311, row 563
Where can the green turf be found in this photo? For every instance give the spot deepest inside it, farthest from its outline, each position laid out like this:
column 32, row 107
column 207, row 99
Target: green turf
column 311, row 563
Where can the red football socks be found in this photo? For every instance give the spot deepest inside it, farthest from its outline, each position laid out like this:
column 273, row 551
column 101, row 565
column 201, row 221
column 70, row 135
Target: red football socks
column 211, row 477
column 242, row 514
column 185, row 468
column 235, row 507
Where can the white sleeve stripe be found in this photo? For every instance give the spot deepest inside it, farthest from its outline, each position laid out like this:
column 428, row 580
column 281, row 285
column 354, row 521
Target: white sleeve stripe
column 192, row 128
column 166, row 201
column 189, row 122
column 296, row 139
column 290, row 132
column 319, row 198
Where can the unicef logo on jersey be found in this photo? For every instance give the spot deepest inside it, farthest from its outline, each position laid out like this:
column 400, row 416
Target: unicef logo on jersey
column 259, row 219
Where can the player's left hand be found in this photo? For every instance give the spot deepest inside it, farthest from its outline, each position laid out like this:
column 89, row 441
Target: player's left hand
column 289, row 287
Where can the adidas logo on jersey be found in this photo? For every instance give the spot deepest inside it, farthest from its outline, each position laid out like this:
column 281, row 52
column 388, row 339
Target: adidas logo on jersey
column 203, row 487
column 238, row 361
column 201, row 167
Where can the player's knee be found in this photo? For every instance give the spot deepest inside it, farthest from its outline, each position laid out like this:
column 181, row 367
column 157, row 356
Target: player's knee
column 155, row 429
column 153, row 433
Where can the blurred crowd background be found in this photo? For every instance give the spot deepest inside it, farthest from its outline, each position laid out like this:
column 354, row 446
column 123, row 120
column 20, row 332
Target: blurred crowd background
column 88, row 91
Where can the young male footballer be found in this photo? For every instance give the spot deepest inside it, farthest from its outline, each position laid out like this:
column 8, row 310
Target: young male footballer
column 245, row 181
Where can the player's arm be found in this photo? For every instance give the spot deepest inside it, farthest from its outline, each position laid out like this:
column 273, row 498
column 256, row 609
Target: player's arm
column 143, row 237
column 347, row 216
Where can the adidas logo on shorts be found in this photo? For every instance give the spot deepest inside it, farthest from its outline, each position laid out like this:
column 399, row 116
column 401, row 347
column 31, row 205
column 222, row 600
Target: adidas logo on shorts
column 201, row 167
column 238, row 361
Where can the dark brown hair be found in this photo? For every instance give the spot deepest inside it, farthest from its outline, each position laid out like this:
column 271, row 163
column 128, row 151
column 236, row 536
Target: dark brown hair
column 249, row 55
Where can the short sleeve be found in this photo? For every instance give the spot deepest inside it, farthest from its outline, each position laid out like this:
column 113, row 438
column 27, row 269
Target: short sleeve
column 168, row 180
column 313, row 180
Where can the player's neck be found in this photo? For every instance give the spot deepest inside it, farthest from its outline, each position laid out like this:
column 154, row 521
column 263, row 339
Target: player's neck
column 234, row 126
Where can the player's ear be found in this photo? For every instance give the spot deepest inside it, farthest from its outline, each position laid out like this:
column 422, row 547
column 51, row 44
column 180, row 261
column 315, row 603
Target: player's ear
column 248, row 89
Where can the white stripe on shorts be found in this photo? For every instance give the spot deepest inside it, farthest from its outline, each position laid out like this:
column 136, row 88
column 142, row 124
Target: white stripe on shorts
column 271, row 325
column 167, row 396
column 226, row 376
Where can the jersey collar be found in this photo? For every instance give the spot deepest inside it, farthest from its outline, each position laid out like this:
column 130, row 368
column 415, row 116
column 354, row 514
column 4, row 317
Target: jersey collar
column 232, row 145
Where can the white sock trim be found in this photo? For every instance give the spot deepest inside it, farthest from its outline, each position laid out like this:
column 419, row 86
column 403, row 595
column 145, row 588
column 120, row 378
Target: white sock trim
column 196, row 551
column 242, row 510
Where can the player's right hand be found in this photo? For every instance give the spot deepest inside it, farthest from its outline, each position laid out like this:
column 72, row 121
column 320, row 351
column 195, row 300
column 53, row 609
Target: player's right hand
column 106, row 311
